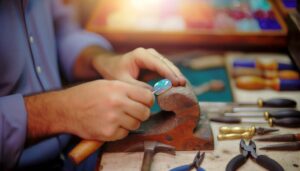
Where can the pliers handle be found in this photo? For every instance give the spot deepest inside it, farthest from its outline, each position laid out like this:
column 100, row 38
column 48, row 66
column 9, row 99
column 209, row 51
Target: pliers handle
column 261, row 160
column 185, row 168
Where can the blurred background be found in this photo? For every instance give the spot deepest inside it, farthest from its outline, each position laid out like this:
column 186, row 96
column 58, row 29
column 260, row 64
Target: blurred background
column 205, row 38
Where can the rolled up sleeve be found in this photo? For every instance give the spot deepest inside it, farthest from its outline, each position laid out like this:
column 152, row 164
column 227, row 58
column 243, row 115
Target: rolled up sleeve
column 72, row 39
column 13, row 125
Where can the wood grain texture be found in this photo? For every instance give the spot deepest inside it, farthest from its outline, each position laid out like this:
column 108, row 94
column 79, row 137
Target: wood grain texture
column 174, row 126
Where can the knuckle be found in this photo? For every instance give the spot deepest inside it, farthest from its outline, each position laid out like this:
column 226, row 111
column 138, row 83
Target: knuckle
column 109, row 133
column 146, row 114
column 123, row 135
column 138, row 51
column 135, row 125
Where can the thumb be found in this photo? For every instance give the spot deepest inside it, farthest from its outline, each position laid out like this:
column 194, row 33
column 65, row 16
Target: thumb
column 129, row 79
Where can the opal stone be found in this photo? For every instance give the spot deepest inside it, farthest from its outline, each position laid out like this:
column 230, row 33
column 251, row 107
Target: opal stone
column 162, row 86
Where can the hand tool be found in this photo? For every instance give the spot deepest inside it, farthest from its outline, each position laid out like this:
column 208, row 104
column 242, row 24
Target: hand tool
column 284, row 74
column 273, row 102
column 150, row 149
column 252, row 130
column 280, row 138
column 86, row 147
column 249, row 151
column 269, row 105
column 205, row 62
column 234, row 136
column 290, row 113
column 285, row 122
column 229, row 133
column 290, row 146
column 257, row 83
column 195, row 164
column 263, row 65
column 213, row 85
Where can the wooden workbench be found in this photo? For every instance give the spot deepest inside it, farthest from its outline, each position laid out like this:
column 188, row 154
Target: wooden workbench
column 224, row 150
column 214, row 160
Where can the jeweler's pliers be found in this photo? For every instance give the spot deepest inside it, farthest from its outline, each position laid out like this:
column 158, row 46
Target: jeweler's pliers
column 250, row 151
column 196, row 164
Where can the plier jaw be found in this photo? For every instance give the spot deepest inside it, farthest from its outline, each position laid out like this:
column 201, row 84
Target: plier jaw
column 248, row 150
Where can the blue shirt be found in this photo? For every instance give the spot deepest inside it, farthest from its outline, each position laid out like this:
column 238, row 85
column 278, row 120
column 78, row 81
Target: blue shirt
column 38, row 39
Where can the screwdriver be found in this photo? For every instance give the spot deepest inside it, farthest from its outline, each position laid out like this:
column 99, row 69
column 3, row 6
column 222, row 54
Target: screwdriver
column 284, row 122
column 291, row 113
column 266, row 65
column 273, row 102
column 257, row 83
column 284, row 74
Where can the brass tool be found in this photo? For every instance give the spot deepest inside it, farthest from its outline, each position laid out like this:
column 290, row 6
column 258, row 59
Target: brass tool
column 252, row 129
column 229, row 133
column 245, row 135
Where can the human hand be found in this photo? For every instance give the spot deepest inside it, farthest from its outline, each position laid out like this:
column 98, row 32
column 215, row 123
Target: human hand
column 127, row 67
column 106, row 110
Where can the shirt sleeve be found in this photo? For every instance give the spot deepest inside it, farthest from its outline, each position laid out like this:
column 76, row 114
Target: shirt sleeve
column 13, row 126
column 72, row 39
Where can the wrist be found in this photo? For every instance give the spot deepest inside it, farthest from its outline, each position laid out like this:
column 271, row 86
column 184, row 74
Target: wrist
column 84, row 68
column 46, row 116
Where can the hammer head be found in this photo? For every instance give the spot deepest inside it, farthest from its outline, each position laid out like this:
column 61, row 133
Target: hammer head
column 153, row 146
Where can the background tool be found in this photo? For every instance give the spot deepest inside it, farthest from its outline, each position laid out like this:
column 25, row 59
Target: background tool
column 284, row 74
column 86, row 147
column 285, row 122
column 290, row 113
column 274, row 102
column 205, row 62
column 280, row 138
column 150, row 149
column 252, row 129
column 257, row 83
column 250, row 151
column 229, row 133
column 213, row 85
column 263, row 65
column 290, row 146
column 244, row 135
column 195, row 164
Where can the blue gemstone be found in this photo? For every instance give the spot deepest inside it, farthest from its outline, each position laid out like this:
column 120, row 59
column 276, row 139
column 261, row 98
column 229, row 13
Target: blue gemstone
column 162, row 86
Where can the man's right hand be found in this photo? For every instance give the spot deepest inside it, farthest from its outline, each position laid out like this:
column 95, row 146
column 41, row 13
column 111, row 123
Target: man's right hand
column 99, row 110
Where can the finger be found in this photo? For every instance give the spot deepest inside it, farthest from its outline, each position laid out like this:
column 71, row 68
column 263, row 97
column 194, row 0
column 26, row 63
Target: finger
column 145, row 59
column 129, row 123
column 140, row 94
column 175, row 69
column 137, row 110
column 129, row 79
column 121, row 133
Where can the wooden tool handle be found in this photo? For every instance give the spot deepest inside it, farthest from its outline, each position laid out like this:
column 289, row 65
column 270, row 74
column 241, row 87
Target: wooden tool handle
column 277, row 102
column 147, row 160
column 84, row 149
column 257, row 83
column 286, row 122
column 297, row 137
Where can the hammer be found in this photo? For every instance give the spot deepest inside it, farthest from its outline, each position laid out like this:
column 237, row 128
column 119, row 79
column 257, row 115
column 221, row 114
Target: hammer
column 150, row 149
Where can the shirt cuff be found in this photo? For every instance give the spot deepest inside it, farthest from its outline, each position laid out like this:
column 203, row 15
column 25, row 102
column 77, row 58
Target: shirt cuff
column 72, row 45
column 13, row 126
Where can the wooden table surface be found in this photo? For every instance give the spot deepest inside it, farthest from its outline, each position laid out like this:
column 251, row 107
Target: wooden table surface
column 224, row 150
column 214, row 160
